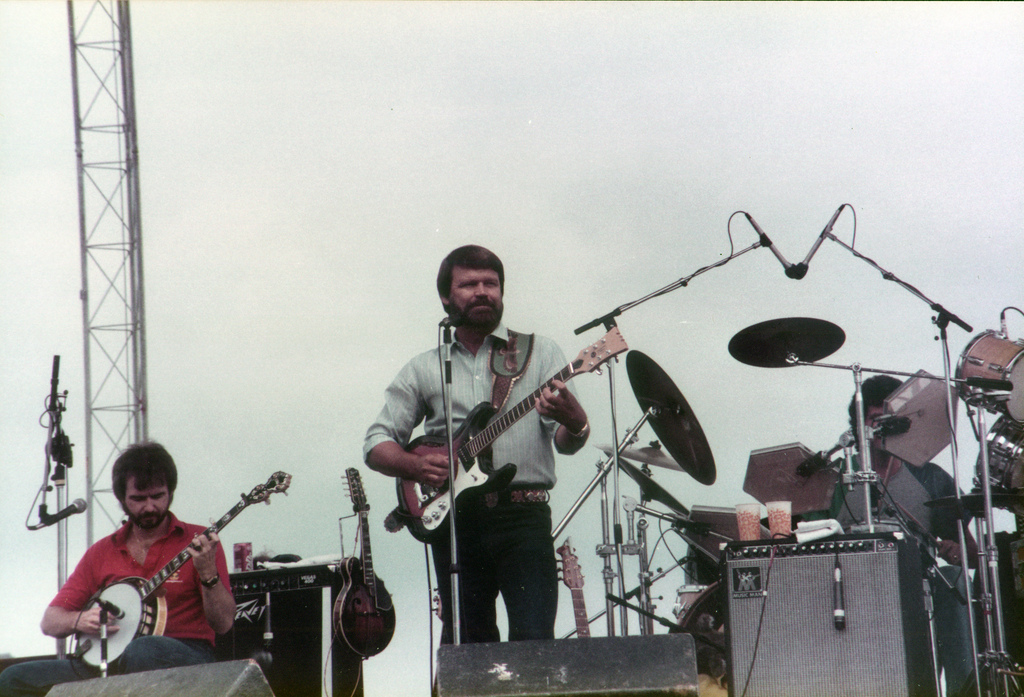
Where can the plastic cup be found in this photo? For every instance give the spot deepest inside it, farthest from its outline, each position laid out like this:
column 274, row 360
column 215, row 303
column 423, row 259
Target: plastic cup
column 780, row 518
column 748, row 520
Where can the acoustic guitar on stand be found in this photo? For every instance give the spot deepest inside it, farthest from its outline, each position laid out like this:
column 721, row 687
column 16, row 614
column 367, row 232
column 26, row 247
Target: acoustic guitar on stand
column 424, row 509
column 131, row 601
column 364, row 614
column 573, row 579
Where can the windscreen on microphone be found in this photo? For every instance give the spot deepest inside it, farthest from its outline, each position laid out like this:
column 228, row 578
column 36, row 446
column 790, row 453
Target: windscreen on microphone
column 889, row 426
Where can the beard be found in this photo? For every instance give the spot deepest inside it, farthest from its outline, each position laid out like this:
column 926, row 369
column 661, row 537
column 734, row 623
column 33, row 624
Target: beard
column 148, row 521
column 480, row 315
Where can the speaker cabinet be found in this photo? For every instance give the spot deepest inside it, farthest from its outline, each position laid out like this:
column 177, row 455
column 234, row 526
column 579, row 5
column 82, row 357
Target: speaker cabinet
column 783, row 636
column 232, row 679
column 663, row 664
column 299, row 603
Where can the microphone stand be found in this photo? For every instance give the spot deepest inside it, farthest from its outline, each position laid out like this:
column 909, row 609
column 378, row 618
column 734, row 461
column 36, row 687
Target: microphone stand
column 990, row 573
column 58, row 452
column 453, row 557
column 608, row 320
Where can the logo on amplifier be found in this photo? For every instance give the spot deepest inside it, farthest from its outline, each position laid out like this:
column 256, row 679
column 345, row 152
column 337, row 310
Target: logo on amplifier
column 746, row 582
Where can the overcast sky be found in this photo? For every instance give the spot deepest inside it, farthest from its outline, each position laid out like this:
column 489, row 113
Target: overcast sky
column 305, row 166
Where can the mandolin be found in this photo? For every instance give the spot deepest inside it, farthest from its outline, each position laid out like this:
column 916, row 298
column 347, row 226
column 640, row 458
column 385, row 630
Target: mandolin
column 364, row 615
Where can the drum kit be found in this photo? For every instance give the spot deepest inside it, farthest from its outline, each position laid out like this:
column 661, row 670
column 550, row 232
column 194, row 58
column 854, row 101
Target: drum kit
column 989, row 377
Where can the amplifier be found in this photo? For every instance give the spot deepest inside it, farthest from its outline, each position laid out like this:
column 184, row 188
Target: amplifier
column 299, row 602
column 785, row 638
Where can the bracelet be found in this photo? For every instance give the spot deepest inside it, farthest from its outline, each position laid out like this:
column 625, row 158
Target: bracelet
column 212, row 583
column 584, row 432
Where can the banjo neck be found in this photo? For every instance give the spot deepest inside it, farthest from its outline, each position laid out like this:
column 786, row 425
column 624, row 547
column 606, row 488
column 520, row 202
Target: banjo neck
column 150, row 586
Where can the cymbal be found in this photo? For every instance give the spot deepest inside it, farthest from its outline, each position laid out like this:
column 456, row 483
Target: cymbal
column 651, row 489
column 672, row 418
column 770, row 344
column 651, row 455
column 975, row 503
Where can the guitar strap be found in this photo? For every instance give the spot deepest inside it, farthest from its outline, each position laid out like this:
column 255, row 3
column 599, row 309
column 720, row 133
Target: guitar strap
column 508, row 363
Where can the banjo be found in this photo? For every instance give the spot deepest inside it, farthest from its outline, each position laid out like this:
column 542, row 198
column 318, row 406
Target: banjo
column 131, row 602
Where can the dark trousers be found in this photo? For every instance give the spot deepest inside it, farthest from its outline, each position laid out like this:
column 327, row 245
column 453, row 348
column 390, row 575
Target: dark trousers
column 504, row 549
column 35, row 678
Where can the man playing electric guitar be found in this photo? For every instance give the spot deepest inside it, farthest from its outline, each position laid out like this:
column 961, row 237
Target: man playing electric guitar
column 504, row 535
column 196, row 601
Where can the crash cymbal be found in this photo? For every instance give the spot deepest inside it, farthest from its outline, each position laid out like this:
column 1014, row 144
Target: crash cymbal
column 672, row 419
column 651, row 455
column 770, row 344
column 651, row 489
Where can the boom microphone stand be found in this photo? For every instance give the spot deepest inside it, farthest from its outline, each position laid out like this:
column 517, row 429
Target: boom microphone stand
column 58, row 450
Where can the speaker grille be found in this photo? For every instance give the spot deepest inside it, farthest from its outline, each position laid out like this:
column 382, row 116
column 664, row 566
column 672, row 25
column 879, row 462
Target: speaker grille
column 799, row 651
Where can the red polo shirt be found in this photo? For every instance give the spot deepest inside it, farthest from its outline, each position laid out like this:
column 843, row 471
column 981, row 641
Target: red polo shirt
column 109, row 561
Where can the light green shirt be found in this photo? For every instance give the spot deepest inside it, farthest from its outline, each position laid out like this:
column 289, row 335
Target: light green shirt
column 415, row 397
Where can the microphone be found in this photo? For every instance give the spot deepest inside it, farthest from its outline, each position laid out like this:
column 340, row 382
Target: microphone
column 114, row 610
column 839, row 613
column 798, row 271
column 449, row 322
column 887, row 426
column 817, row 461
column 46, row 520
column 53, row 384
column 766, row 242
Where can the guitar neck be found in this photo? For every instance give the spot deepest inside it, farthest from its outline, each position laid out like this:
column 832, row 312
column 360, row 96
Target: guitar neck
column 579, row 610
column 478, row 443
column 367, row 558
column 172, row 566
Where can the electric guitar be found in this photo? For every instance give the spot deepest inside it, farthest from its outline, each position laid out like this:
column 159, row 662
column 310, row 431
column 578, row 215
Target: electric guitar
column 130, row 601
column 364, row 614
column 573, row 579
column 424, row 509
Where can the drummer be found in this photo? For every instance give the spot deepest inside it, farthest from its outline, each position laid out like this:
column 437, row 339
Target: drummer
column 899, row 497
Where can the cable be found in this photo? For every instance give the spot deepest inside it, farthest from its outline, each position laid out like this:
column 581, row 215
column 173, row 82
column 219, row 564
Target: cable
column 760, row 621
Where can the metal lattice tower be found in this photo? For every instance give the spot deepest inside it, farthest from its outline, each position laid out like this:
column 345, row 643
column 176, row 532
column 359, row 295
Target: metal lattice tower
column 110, row 234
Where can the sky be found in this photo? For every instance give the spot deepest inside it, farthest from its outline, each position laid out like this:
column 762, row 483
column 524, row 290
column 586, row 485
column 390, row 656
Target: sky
column 305, row 166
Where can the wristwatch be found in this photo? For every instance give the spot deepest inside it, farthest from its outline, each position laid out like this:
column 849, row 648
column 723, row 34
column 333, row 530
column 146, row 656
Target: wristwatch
column 211, row 583
column 583, row 431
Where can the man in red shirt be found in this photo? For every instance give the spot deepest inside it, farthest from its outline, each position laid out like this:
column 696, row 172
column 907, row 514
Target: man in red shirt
column 196, row 601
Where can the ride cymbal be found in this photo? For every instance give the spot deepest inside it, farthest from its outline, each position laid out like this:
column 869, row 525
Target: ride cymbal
column 771, row 344
column 672, row 419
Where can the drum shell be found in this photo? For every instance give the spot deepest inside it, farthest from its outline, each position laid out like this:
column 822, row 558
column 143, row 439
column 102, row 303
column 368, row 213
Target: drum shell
column 993, row 357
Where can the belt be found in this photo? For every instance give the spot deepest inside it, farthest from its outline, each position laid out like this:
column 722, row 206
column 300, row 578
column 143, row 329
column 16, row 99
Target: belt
column 493, row 498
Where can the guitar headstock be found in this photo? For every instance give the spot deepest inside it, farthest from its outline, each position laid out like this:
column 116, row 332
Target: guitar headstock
column 278, row 483
column 355, row 490
column 601, row 351
column 571, row 574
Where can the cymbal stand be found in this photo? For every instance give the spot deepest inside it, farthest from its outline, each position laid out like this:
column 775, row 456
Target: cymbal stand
column 606, row 549
column 995, row 662
column 638, row 546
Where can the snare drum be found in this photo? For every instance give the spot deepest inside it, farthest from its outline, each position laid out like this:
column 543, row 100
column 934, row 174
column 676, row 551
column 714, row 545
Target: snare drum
column 1006, row 456
column 993, row 357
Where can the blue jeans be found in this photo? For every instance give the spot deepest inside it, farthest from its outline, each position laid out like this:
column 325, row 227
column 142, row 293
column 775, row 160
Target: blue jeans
column 503, row 549
column 35, row 678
